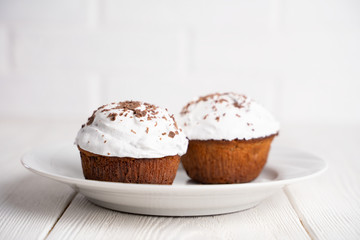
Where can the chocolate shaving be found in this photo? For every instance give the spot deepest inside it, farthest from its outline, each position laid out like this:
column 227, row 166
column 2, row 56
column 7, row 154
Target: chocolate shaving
column 217, row 118
column 176, row 132
column 185, row 109
column 105, row 141
column 128, row 105
column 91, row 119
column 133, row 106
column 147, row 130
column 101, row 107
column 205, row 116
column 138, row 113
column 171, row 134
column 237, row 115
column 112, row 116
column 133, row 131
column 163, row 133
column 238, row 105
column 173, row 118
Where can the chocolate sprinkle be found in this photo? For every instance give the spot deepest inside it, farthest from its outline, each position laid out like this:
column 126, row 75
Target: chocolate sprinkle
column 91, row 119
column 185, row 109
column 238, row 105
column 173, row 118
column 138, row 113
column 171, row 134
column 112, row 116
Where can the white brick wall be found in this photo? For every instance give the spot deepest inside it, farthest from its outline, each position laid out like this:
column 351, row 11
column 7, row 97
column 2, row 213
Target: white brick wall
column 4, row 49
column 57, row 95
column 43, row 12
column 197, row 14
column 103, row 50
column 60, row 59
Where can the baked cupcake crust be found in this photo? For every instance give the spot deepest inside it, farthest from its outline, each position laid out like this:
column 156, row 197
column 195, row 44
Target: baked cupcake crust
column 129, row 170
column 222, row 161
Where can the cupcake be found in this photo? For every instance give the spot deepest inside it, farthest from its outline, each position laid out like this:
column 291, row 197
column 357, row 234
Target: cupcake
column 131, row 142
column 229, row 138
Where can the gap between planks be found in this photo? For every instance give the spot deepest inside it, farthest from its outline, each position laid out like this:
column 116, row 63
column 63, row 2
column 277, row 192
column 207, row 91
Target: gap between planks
column 72, row 196
column 302, row 220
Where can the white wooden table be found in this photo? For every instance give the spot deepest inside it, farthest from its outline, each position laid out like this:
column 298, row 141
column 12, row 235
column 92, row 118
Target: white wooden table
column 327, row 207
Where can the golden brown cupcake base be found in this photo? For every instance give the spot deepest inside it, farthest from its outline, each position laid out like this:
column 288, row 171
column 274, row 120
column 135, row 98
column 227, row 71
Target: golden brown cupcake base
column 220, row 161
column 129, row 170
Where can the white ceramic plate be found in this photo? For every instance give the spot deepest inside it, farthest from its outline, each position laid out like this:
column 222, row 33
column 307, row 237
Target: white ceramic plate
column 184, row 197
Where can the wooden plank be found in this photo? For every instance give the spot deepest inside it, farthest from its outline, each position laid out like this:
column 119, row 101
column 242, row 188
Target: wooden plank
column 30, row 205
column 273, row 219
column 329, row 206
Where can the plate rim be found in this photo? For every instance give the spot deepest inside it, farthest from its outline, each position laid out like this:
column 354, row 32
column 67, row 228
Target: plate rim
column 151, row 187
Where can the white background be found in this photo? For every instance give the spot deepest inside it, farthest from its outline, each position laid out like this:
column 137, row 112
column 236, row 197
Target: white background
column 60, row 59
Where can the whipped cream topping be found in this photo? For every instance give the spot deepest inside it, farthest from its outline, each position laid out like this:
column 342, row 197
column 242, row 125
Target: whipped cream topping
column 132, row 129
column 226, row 116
